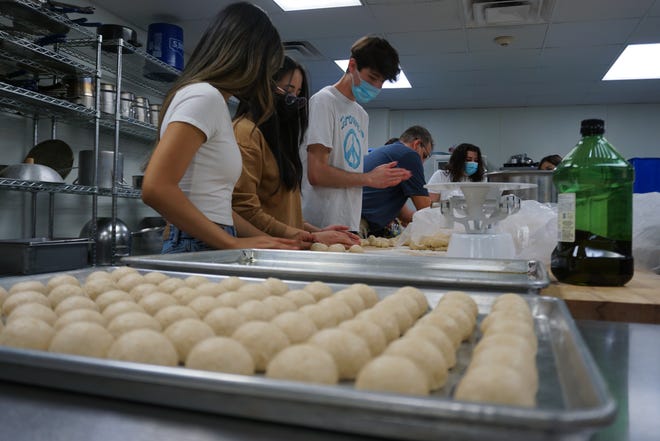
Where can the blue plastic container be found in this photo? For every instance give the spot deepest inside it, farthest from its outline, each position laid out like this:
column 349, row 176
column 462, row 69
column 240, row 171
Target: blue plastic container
column 165, row 42
column 647, row 174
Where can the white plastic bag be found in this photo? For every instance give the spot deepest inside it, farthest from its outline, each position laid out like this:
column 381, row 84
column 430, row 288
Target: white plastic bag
column 646, row 231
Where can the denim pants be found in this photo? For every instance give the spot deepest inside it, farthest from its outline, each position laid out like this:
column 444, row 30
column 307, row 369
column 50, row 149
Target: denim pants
column 182, row 242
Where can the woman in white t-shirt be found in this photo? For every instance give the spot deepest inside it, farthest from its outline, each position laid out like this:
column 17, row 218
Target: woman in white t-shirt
column 191, row 174
column 465, row 165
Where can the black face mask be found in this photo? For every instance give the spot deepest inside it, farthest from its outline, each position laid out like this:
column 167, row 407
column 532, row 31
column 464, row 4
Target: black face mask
column 285, row 111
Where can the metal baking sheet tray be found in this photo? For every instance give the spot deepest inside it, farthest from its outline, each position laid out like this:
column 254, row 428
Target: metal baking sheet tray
column 573, row 400
column 378, row 269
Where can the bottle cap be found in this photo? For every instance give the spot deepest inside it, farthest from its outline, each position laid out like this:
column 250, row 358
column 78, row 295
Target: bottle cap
column 590, row 127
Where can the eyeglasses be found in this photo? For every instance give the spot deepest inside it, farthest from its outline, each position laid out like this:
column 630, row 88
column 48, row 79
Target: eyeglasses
column 425, row 153
column 290, row 99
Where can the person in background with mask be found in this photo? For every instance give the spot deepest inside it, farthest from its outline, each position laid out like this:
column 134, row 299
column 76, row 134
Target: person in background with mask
column 192, row 171
column 268, row 192
column 465, row 165
column 337, row 139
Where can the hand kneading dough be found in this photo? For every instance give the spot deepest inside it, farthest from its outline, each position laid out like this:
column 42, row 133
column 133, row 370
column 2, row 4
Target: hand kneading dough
column 27, row 333
column 79, row 315
column 425, row 355
column 304, row 362
column 144, row 346
column 390, row 373
column 221, row 354
column 130, row 321
column 349, row 351
column 186, row 333
column 296, row 325
column 82, row 338
column 224, row 321
column 370, row 332
column 36, row 310
column 495, row 384
column 262, row 340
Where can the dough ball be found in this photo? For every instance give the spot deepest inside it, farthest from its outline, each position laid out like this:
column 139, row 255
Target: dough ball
column 524, row 363
column 418, row 296
column 426, row 356
column 118, row 308
column 186, row 333
column 94, row 287
column 280, row 304
column 516, row 341
column 336, row 248
column 120, row 272
column 387, row 322
column 352, row 298
column 262, row 340
column 437, row 338
column 195, row 280
column 144, row 346
column 79, row 315
column 304, row 362
column 319, row 290
column 356, row 249
column 495, row 384
column 370, row 332
column 389, row 373
column 446, row 324
column 62, row 279
column 130, row 281
column 75, row 302
column 141, row 290
column 130, row 321
column 170, row 285
column 510, row 301
column 319, row 315
column 202, row 305
column 405, row 302
column 21, row 297
column 171, row 314
column 61, row 292
column 368, row 294
column 29, row 285
column 300, row 297
column 210, row 289
column 337, row 308
column 231, row 283
column 506, row 315
column 82, row 338
column 221, row 354
column 185, row 294
column 256, row 310
column 463, row 298
column 224, row 320
column 318, row 246
column 349, row 351
column 520, row 329
column 296, row 325
column 465, row 322
column 276, row 286
column 155, row 301
column 254, row 291
column 36, row 310
column 98, row 275
column 27, row 333
column 232, row 299
column 401, row 314
column 110, row 297
column 155, row 277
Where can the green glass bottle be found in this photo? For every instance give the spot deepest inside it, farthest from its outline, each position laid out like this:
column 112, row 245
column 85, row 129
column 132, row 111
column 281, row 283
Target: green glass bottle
column 594, row 185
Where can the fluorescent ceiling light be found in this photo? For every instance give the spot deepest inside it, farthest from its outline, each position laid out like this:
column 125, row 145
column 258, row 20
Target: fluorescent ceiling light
column 299, row 5
column 636, row 62
column 401, row 82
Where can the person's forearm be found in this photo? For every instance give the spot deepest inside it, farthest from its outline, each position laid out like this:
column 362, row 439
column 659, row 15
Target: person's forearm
column 325, row 175
column 244, row 228
column 311, row 228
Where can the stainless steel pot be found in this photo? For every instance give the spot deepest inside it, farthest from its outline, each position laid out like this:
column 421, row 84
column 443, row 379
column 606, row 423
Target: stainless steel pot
column 106, row 164
column 147, row 241
column 31, row 172
column 104, row 240
column 544, row 192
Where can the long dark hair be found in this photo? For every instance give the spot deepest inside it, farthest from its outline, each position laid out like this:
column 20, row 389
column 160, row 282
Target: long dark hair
column 284, row 136
column 456, row 164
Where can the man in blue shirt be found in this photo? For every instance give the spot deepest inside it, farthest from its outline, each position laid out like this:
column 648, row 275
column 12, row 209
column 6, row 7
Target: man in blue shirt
column 381, row 206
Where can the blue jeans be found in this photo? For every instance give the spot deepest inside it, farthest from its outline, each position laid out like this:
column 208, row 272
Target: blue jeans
column 182, row 242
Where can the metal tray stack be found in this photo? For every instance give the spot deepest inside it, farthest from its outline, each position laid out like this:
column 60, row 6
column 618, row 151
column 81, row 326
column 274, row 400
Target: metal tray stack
column 573, row 400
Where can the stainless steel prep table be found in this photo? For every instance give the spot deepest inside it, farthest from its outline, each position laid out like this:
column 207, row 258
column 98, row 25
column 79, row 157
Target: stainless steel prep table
column 624, row 353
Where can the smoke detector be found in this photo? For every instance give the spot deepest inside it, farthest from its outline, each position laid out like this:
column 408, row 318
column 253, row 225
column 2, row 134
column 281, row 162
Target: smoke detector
column 503, row 40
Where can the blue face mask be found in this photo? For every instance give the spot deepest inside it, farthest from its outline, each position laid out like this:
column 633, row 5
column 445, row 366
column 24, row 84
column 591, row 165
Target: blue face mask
column 364, row 92
column 471, row 168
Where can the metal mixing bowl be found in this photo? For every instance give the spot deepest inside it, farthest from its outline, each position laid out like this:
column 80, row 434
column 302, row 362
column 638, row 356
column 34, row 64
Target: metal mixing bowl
column 31, row 172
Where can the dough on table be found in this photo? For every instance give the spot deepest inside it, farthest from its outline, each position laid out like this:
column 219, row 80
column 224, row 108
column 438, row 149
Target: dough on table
column 231, row 283
column 155, row 277
column 510, row 301
column 118, row 308
column 336, row 308
column 110, row 297
column 463, row 298
column 387, row 322
column 224, row 321
column 79, row 315
column 524, row 363
column 426, row 356
column 277, row 287
column 262, row 340
column 465, row 321
column 319, row 316
column 368, row 294
column 27, row 333
column 404, row 302
column 318, row 246
column 61, row 292
column 141, row 290
column 202, row 305
column 304, row 362
column 521, row 329
column 319, row 290
column 300, row 297
column 356, row 249
column 170, row 284
column 390, row 373
column 62, row 279
column 495, row 384
column 349, row 351
column 403, row 318
column 257, row 310
column 95, row 275
column 28, row 285
column 122, row 271
column 506, row 315
column 297, row 326
column 186, row 333
column 352, row 298
column 129, row 281
column 96, row 286
column 20, row 297
column 185, row 294
column 232, row 299
column 438, row 338
column 370, row 332
column 36, row 310
column 173, row 313
column 520, row 342
column 210, row 289
column 76, row 302
column 195, row 280
column 82, row 338
column 337, row 248
column 155, row 301
column 445, row 323
column 144, row 346
column 130, row 321
column 418, row 296
column 220, row 354
column 280, row 304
